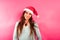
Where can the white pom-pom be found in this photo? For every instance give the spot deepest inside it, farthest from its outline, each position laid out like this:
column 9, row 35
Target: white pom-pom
column 37, row 16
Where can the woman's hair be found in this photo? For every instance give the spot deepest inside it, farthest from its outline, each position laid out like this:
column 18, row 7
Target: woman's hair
column 22, row 21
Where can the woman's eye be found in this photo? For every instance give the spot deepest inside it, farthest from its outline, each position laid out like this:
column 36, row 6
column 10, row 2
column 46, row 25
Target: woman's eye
column 26, row 12
column 30, row 14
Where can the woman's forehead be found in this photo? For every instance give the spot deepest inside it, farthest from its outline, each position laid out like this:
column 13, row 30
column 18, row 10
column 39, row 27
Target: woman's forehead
column 28, row 12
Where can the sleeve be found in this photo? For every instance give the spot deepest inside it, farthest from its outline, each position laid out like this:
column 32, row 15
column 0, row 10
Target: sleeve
column 15, row 31
column 37, row 31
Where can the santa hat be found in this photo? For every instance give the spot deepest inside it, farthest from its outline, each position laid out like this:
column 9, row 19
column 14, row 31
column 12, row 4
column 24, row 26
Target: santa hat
column 32, row 10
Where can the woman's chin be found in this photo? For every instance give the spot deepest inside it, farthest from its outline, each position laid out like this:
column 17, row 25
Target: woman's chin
column 26, row 19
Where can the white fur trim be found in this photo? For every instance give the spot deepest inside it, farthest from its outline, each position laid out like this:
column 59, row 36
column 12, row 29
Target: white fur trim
column 26, row 9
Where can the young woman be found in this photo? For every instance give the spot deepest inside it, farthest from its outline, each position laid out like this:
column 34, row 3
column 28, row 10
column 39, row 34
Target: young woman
column 26, row 28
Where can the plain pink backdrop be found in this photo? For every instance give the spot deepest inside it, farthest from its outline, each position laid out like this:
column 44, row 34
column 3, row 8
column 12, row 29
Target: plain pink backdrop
column 49, row 20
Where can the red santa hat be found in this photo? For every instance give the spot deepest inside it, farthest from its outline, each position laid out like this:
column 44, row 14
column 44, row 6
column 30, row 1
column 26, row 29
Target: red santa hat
column 32, row 10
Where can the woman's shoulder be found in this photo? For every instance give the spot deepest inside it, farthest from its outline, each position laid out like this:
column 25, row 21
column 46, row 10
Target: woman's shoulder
column 17, row 22
column 35, row 24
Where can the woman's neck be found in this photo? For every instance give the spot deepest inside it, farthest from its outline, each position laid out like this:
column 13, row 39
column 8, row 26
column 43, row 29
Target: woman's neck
column 26, row 22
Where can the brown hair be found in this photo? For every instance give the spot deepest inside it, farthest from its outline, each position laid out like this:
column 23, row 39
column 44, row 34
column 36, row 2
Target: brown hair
column 20, row 25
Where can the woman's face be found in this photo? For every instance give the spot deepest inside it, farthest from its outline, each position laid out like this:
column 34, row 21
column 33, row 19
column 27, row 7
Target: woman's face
column 27, row 15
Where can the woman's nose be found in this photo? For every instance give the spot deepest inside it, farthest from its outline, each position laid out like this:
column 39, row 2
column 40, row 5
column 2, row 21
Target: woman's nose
column 27, row 14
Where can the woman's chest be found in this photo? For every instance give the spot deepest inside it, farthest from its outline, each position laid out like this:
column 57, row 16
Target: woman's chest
column 26, row 29
column 25, row 32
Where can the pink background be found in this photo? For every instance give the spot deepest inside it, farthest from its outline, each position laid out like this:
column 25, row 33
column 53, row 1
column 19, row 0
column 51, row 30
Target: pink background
column 49, row 20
